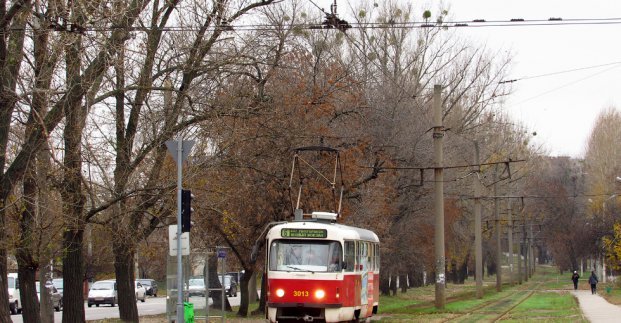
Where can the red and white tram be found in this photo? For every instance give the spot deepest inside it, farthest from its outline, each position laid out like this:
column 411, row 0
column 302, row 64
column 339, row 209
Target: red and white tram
column 318, row 270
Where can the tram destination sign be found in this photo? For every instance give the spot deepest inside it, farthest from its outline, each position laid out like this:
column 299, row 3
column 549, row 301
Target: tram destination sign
column 304, row 233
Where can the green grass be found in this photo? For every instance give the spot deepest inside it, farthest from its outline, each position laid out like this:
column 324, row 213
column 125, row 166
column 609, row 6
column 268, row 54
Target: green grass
column 417, row 304
column 614, row 297
column 549, row 307
column 462, row 306
column 396, row 304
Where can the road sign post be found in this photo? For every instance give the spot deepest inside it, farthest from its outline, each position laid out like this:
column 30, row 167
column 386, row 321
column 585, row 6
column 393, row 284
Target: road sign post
column 179, row 150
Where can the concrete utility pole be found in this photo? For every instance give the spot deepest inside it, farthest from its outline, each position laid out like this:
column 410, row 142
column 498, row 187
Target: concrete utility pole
column 510, row 239
column 519, row 257
column 498, row 236
column 525, row 248
column 531, row 254
column 477, row 223
column 438, row 135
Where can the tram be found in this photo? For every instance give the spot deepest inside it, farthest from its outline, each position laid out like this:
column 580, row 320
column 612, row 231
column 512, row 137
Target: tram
column 321, row 271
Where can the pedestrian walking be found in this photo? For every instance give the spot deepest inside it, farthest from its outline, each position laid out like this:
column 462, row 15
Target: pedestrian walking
column 593, row 281
column 575, row 278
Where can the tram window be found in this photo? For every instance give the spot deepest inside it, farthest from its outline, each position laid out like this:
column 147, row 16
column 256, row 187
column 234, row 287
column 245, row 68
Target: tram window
column 377, row 256
column 350, row 256
column 371, row 260
column 358, row 255
column 363, row 256
column 305, row 255
column 370, row 256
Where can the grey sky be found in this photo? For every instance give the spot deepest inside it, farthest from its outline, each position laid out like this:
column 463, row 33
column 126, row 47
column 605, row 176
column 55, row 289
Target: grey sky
column 561, row 108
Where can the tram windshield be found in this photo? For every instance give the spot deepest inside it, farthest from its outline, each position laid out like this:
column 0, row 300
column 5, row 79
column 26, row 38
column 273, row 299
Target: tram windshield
column 306, row 255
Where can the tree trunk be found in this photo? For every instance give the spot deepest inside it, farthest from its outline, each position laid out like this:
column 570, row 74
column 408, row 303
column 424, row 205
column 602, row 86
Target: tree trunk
column 252, row 288
column 73, row 274
column 73, row 200
column 384, row 285
column 11, row 56
column 28, row 293
column 245, row 297
column 26, row 265
column 403, row 283
column 263, row 299
column 214, row 282
column 491, row 267
column 416, row 278
column 46, row 306
column 453, row 273
column 123, row 268
column 393, row 285
column 462, row 273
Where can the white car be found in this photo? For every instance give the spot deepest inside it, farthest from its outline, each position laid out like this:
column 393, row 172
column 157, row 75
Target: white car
column 103, row 292
column 15, row 305
column 196, row 287
column 57, row 300
column 141, row 292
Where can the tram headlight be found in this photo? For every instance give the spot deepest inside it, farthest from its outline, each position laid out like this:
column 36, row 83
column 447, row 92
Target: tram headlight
column 319, row 294
column 280, row 292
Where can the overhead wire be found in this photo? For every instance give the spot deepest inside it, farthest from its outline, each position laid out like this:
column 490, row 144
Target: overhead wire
column 566, row 85
column 476, row 23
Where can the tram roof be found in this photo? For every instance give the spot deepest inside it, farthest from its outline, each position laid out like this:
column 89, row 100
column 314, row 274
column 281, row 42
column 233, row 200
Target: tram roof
column 334, row 230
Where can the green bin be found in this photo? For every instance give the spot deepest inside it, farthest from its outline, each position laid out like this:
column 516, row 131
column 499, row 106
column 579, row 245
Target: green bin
column 608, row 289
column 188, row 312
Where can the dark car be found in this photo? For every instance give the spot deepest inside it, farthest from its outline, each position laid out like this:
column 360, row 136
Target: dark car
column 150, row 285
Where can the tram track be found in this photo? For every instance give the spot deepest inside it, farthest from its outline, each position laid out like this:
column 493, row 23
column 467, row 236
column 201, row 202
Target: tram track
column 519, row 302
column 526, row 292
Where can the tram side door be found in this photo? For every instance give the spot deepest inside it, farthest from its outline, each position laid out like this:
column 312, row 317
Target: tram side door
column 364, row 267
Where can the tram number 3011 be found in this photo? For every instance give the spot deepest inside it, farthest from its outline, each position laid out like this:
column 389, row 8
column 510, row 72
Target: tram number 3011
column 300, row 293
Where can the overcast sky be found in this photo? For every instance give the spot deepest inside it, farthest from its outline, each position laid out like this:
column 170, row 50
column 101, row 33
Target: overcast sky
column 562, row 107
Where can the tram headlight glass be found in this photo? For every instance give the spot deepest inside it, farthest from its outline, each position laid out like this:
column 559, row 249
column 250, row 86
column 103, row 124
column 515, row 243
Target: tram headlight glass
column 280, row 292
column 319, row 294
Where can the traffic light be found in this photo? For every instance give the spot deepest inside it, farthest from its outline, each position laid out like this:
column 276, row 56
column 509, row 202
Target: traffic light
column 186, row 210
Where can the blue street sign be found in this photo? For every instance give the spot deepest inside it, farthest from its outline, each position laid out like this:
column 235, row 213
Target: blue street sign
column 221, row 253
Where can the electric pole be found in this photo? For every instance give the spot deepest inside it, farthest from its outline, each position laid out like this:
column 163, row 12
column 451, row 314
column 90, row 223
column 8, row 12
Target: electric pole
column 477, row 223
column 498, row 235
column 519, row 264
column 438, row 134
column 510, row 238
column 525, row 250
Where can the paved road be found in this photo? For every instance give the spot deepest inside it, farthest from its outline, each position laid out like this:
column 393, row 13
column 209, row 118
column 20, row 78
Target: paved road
column 596, row 308
column 152, row 306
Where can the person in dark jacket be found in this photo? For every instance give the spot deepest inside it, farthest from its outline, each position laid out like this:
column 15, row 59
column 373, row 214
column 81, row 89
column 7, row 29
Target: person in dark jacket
column 593, row 281
column 575, row 278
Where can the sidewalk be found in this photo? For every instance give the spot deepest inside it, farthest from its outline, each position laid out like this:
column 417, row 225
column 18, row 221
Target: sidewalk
column 596, row 309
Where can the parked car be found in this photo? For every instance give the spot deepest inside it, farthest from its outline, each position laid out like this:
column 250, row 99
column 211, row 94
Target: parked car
column 57, row 300
column 150, row 285
column 58, row 283
column 103, row 292
column 141, row 292
column 196, row 287
column 230, row 286
column 237, row 276
column 15, row 305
